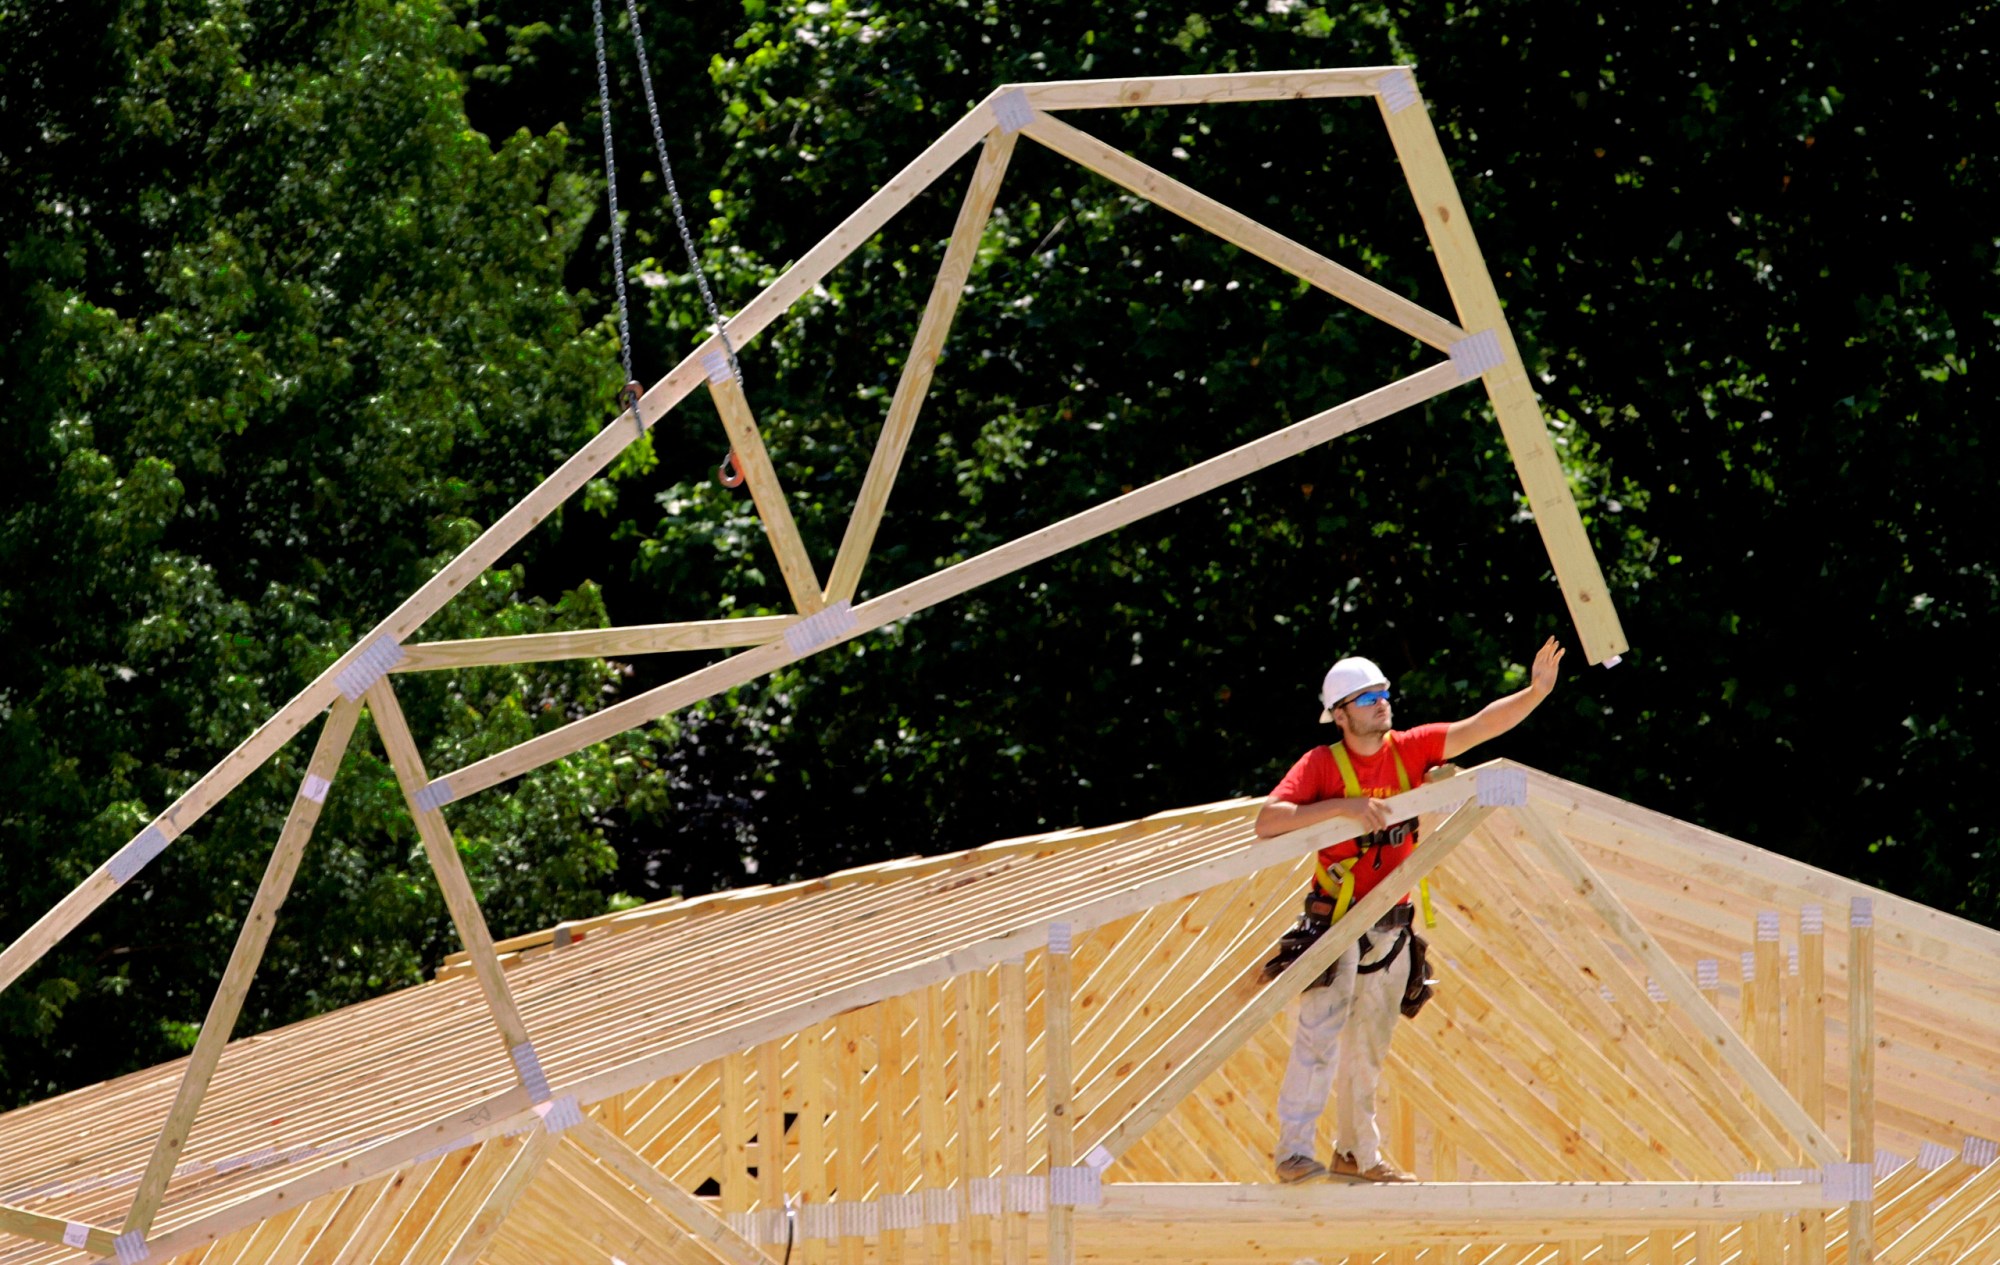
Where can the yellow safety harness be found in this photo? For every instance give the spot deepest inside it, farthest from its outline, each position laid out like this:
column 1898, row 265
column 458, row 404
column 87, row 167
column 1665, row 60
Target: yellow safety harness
column 1342, row 888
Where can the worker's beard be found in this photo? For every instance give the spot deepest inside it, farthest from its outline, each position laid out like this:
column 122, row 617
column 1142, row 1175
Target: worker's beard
column 1366, row 726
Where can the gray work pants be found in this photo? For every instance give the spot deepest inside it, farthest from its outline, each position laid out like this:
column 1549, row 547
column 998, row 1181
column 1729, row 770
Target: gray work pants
column 1351, row 1020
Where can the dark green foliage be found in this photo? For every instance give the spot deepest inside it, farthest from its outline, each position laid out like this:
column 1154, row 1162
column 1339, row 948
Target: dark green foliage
column 299, row 298
column 282, row 332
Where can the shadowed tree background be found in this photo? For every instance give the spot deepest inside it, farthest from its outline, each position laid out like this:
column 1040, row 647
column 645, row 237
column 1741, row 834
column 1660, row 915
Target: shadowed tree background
column 298, row 301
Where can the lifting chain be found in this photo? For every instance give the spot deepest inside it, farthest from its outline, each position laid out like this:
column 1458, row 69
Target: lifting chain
column 728, row 472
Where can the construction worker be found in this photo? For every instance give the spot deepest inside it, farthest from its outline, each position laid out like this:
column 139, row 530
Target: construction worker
column 1370, row 762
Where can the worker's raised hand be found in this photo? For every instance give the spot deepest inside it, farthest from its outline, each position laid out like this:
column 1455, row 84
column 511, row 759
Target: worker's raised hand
column 1548, row 664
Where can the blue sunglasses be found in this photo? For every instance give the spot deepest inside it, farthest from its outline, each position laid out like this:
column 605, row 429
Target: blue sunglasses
column 1368, row 698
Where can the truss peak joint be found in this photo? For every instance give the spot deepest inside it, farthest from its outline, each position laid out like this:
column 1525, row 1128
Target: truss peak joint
column 1012, row 111
column 433, row 796
column 822, row 629
column 137, row 854
column 559, row 1114
column 1398, row 90
column 1476, row 353
column 1501, row 788
column 368, row 667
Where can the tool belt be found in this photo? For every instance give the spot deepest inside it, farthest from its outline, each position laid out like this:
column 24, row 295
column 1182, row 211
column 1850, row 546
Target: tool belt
column 1318, row 916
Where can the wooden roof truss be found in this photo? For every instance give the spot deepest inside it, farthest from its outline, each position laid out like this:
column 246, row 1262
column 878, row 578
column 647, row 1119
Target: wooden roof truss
column 961, row 1086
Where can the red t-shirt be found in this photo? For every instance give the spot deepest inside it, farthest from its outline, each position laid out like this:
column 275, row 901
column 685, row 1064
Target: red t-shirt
column 1316, row 777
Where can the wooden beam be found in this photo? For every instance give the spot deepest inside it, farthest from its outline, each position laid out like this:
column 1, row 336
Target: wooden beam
column 915, row 383
column 1282, row 85
column 712, row 1231
column 964, row 576
column 1013, row 1012
column 1861, row 1069
column 1585, row 882
column 526, row 1165
column 850, row 1183
column 733, row 1112
column 1520, row 417
column 1812, row 1014
column 770, row 1125
column 255, row 933
column 754, row 464
column 595, row 643
column 1057, row 990
column 975, row 1121
column 35, row 1225
column 593, row 1203
column 810, row 1105
column 932, row 1089
column 1225, row 1037
column 1810, row 1042
column 442, row 850
column 494, row 1117
column 1578, row 1203
column 892, row 1098
column 1240, row 230
column 1765, row 950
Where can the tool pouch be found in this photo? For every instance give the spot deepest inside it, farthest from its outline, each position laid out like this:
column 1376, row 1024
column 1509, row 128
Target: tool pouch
column 1313, row 922
column 1420, row 986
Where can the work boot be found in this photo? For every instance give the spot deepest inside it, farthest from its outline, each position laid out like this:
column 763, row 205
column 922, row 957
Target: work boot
column 1345, row 1165
column 1299, row 1168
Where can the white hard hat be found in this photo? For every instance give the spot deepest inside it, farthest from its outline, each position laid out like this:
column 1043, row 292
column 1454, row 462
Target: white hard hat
column 1349, row 676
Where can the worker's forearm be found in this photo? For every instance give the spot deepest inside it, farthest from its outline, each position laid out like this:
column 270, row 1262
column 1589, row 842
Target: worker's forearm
column 1502, row 714
column 1278, row 817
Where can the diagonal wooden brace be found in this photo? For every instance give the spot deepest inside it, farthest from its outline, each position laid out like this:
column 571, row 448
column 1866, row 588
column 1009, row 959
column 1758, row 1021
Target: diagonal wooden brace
column 450, row 869
column 243, row 962
column 1500, row 366
column 915, row 383
column 1586, row 882
column 713, row 1232
column 755, row 465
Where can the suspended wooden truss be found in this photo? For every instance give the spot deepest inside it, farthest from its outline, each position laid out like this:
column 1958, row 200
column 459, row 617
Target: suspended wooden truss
column 441, row 1165
column 1059, row 1048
